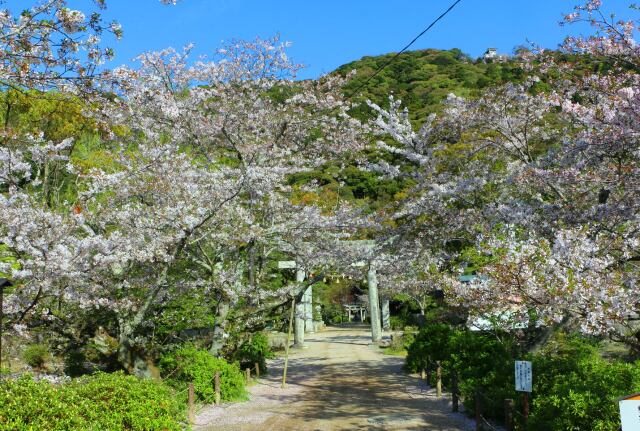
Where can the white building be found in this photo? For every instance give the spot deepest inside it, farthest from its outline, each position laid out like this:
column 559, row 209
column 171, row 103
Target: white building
column 492, row 54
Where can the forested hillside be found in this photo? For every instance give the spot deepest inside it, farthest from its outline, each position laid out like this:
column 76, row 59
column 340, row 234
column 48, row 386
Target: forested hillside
column 423, row 79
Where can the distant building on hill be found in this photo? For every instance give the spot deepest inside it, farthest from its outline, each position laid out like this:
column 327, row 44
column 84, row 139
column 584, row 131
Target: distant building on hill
column 491, row 55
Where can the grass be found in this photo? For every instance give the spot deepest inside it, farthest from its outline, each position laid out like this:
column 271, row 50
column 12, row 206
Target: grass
column 402, row 352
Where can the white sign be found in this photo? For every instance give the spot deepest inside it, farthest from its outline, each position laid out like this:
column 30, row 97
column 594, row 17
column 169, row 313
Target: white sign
column 286, row 264
column 630, row 415
column 524, row 376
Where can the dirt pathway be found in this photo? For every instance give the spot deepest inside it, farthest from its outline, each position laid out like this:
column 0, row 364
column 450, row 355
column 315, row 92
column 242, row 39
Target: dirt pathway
column 339, row 383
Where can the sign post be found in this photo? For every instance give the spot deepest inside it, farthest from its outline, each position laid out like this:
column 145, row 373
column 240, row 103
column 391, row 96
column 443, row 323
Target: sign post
column 524, row 383
column 630, row 412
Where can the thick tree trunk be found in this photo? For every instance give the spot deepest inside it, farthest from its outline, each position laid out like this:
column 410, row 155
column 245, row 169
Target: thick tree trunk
column 134, row 361
column 128, row 355
column 218, row 329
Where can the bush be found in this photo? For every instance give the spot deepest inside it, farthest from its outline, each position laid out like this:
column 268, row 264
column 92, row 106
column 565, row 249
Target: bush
column 255, row 350
column 400, row 343
column 575, row 389
column 190, row 364
column 35, row 355
column 430, row 344
column 336, row 320
column 397, row 323
column 482, row 361
column 99, row 402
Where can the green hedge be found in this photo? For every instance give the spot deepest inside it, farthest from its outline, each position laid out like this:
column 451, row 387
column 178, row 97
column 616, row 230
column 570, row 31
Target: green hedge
column 99, row 402
column 190, row 364
column 574, row 388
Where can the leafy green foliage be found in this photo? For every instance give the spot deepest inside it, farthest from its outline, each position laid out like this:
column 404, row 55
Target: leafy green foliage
column 485, row 362
column 423, row 79
column 429, row 345
column 35, row 355
column 400, row 343
column 255, row 350
column 58, row 116
column 575, row 389
column 190, row 364
column 482, row 362
column 99, row 402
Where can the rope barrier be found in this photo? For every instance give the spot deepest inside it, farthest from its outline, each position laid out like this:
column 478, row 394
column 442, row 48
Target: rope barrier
column 493, row 428
column 494, row 401
column 426, row 386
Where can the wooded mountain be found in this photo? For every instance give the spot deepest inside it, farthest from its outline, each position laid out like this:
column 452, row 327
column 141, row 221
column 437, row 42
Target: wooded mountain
column 423, row 79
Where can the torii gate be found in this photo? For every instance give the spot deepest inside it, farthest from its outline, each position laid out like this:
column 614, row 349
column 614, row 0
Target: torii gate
column 304, row 309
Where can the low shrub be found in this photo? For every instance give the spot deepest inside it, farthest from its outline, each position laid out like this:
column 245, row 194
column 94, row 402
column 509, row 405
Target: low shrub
column 190, row 364
column 35, row 355
column 397, row 323
column 400, row 343
column 99, row 402
column 575, row 389
column 485, row 362
column 430, row 344
column 255, row 350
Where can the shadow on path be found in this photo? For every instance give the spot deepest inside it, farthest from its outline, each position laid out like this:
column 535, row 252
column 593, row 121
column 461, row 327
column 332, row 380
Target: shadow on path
column 340, row 382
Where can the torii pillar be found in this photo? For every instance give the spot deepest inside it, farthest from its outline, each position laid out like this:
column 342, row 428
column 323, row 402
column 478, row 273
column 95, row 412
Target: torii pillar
column 374, row 304
column 386, row 322
column 308, row 310
column 300, row 314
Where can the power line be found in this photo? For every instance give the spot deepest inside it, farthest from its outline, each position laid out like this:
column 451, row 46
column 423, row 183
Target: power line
column 407, row 46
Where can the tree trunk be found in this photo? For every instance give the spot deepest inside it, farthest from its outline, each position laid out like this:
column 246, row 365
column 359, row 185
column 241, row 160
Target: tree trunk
column 128, row 355
column 218, row 329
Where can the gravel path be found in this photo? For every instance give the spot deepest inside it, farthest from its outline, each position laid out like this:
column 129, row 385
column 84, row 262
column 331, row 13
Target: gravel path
column 340, row 382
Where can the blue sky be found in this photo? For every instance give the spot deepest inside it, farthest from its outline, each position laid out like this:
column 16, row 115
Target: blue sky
column 328, row 33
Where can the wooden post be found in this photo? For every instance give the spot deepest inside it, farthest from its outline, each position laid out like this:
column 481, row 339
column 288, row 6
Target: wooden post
column 286, row 353
column 454, row 391
column 508, row 414
column 191, row 401
column 438, row 379
column 216, row 387
column 247, row 374
column 257, row 370
column 525, row 406
column 478, row 410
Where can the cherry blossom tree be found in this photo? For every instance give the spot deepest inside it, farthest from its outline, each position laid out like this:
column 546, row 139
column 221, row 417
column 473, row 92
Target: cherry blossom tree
column 541, row 185
column 49, row 45
column 196, row 195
